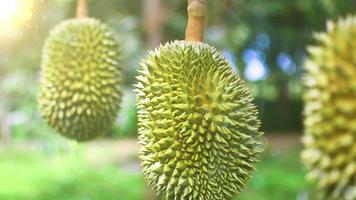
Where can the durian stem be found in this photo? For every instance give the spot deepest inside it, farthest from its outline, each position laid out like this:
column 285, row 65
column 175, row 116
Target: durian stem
column 197, row 11
column 82, row 9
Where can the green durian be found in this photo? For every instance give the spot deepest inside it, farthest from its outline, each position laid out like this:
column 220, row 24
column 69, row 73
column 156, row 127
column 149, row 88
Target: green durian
column 79, row 92
column 198, row 126
column 330, row 111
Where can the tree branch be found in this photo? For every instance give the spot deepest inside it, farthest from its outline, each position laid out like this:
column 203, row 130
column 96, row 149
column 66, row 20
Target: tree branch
column 197, row 11
column 82, row 9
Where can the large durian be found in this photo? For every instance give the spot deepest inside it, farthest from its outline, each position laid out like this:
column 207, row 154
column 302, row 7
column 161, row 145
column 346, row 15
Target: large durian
column 197, row 124
column 80, row 80
column 330, row 111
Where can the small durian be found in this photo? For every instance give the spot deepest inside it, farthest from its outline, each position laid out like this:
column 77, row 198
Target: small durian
column 198, row 125
column 79, row 92
column 330, row 111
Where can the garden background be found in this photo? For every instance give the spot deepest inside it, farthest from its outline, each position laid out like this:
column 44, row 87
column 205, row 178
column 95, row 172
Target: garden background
column 265, row 42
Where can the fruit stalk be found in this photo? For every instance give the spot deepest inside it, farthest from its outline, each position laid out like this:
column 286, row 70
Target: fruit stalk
column 197, row 11
column 82, row 9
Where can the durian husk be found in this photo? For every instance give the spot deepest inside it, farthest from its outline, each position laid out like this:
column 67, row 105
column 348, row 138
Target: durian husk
column 198, row 125
column 330, row 111
column 79, row 92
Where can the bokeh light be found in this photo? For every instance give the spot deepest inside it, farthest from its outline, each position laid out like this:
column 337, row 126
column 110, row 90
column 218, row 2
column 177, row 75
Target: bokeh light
column 286, row 64
column 13, row 15
column 256, row 68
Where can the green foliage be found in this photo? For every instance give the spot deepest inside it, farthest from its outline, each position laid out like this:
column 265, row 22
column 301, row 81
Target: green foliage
column 126, row 125
column 80, row 81
column 197, row 123
column 279, row 175
column 67, row 176
column 64, row 176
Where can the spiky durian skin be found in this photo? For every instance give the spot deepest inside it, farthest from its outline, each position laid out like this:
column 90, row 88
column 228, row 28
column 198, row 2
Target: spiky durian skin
column 197, row 124
column 79, row 93
column 330, row 111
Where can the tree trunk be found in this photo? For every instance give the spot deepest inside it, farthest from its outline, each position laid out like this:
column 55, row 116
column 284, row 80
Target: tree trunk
column 154, row 17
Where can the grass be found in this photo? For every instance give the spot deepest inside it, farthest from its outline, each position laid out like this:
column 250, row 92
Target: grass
column 68, row 176
column 279, row 176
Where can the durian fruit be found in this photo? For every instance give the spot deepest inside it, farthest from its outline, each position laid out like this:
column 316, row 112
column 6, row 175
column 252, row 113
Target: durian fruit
column 197, row 123
column 330, row 111
column 80, row 80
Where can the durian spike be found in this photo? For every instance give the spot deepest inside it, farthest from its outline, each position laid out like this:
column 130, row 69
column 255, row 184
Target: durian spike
column 82, row 9
column 197, row 11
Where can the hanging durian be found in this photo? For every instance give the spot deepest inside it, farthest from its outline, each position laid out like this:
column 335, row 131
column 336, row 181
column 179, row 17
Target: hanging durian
column 198, row 126
column 80, row 80
column 330, row 111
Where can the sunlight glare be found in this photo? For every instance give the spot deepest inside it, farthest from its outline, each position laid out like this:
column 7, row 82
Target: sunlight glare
column 14, row 13
column 8, row 10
